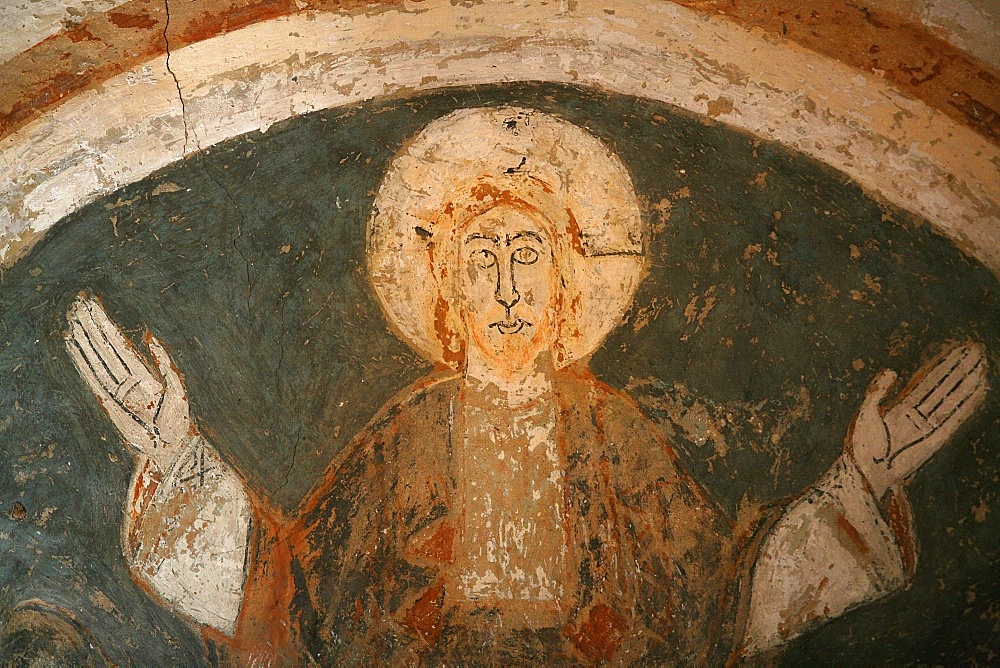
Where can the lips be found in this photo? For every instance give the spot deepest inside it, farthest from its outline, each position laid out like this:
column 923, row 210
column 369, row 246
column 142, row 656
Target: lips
column 512, row 326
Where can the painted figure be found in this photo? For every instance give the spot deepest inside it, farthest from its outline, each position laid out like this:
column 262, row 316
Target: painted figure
column 509, row 508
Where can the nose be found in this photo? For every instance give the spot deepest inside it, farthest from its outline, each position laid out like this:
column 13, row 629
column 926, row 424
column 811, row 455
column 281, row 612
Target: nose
column 506, row 294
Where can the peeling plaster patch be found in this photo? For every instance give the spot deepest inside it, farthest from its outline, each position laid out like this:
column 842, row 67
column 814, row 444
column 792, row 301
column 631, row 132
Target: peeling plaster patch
column 970, row 25
column 719, row 106
column 45, row 515
column 18, row 512
column 18, row 245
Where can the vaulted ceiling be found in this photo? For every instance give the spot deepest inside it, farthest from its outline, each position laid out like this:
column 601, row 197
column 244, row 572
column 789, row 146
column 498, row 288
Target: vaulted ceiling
column 900, row 95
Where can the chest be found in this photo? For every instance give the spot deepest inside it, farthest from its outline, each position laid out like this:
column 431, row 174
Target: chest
column 511, row 548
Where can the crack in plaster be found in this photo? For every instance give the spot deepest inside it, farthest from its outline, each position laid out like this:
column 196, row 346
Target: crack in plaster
column 277, row 384
column 239, row 231
column 291, row 463
column 177, row 83
column 204, row 163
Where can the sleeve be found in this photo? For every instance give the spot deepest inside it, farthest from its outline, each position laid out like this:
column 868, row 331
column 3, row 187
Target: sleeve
column 186, row 535
column 834, row 549
column 263, row 633
column 693, row 562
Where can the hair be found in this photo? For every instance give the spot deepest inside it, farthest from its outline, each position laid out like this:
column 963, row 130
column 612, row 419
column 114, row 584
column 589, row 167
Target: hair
column 529, row 195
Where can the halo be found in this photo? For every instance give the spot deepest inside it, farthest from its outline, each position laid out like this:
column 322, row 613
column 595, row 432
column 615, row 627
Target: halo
column 465, row 159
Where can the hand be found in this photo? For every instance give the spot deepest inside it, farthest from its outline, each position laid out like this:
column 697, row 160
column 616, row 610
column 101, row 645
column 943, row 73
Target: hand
column 150, row 410
column 890, row 443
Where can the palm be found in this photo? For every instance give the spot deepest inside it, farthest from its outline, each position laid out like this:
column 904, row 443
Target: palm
column 149, row 410
column 891, row 443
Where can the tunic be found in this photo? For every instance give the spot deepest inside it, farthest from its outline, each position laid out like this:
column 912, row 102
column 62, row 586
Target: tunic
column 371, row 568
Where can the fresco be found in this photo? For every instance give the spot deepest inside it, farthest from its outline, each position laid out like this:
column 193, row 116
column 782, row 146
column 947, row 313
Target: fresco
column 520, row 373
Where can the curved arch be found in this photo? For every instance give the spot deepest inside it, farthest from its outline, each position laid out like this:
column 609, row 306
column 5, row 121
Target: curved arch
column 246, row 80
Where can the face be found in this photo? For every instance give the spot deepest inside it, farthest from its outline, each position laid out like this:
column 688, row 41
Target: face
column 507, row 286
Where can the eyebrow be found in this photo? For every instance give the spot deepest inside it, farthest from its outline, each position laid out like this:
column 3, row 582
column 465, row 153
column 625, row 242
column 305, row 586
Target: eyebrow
column 520, row 235
column 483, row 237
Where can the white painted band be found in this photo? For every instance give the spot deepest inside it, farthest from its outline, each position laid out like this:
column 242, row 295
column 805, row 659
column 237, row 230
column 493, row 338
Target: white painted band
column 898, row 148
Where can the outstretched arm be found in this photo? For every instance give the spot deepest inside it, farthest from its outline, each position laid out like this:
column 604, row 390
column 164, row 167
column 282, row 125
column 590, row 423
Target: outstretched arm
column 849, row 540
column 187, row 517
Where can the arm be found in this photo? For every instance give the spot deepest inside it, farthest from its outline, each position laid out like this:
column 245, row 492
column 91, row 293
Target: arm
column 187, row 518
column 849, row 540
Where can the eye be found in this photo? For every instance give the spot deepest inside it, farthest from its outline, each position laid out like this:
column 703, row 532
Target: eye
column 483, row 259
column 525, row 255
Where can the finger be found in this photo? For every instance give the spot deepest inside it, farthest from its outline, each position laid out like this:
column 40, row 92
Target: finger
column 121, row 345
column 166, row 368
column 173, row 410
column 115, row 392
column 959, row 369
column 163, row 362
column 970, row 388
column 926, row 380
column 908, row 459
column 93, row 360
column 139, row 392
column 877, row 389
column 92, row 317
column 131, row 430
column 84, row 368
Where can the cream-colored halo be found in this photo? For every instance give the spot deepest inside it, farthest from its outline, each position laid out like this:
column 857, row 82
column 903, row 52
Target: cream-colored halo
column 472, row 155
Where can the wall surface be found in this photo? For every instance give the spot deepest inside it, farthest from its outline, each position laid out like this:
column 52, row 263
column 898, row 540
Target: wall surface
column 819, row 193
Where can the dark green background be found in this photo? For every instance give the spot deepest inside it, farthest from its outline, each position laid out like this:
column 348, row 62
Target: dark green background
column 286, row 353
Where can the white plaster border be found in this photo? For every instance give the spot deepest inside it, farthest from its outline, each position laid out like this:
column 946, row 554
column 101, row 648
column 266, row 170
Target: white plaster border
column 913, row 156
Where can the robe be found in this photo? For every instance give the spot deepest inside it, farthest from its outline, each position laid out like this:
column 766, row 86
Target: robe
column 657, row 572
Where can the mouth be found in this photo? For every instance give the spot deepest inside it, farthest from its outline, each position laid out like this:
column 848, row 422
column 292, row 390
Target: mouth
column 512, row 326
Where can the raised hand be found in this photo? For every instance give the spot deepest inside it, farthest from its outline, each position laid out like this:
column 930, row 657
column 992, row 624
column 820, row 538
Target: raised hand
column 890, row 442
column 149, row 409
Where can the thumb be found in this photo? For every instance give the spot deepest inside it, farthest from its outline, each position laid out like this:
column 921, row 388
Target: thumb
column 173, row 421
column 877, row 390
column 163, row 362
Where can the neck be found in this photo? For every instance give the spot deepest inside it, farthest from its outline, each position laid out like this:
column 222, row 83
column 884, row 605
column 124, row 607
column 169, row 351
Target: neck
column 513, row 387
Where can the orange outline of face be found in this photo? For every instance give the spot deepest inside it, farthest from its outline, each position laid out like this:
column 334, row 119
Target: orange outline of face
column 508, row 264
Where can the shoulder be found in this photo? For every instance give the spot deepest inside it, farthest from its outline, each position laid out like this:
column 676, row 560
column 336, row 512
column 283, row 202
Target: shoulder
column 434, row 392
column 413, row 423
column 578, row 382
column 419, row 406
column 609, row 410
column 611, row 422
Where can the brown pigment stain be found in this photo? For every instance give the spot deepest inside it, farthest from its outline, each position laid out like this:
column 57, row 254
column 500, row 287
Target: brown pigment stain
column 79, row 33
column 573, row 232
column 898, row 517
column 451, row 353
column 425, row 615
column 601, row 635
column 802, row 608
column 860, row 546
column 723, row 105
column 126, row 20
column 436, row 548
column 237, row 16
column 493, row 197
